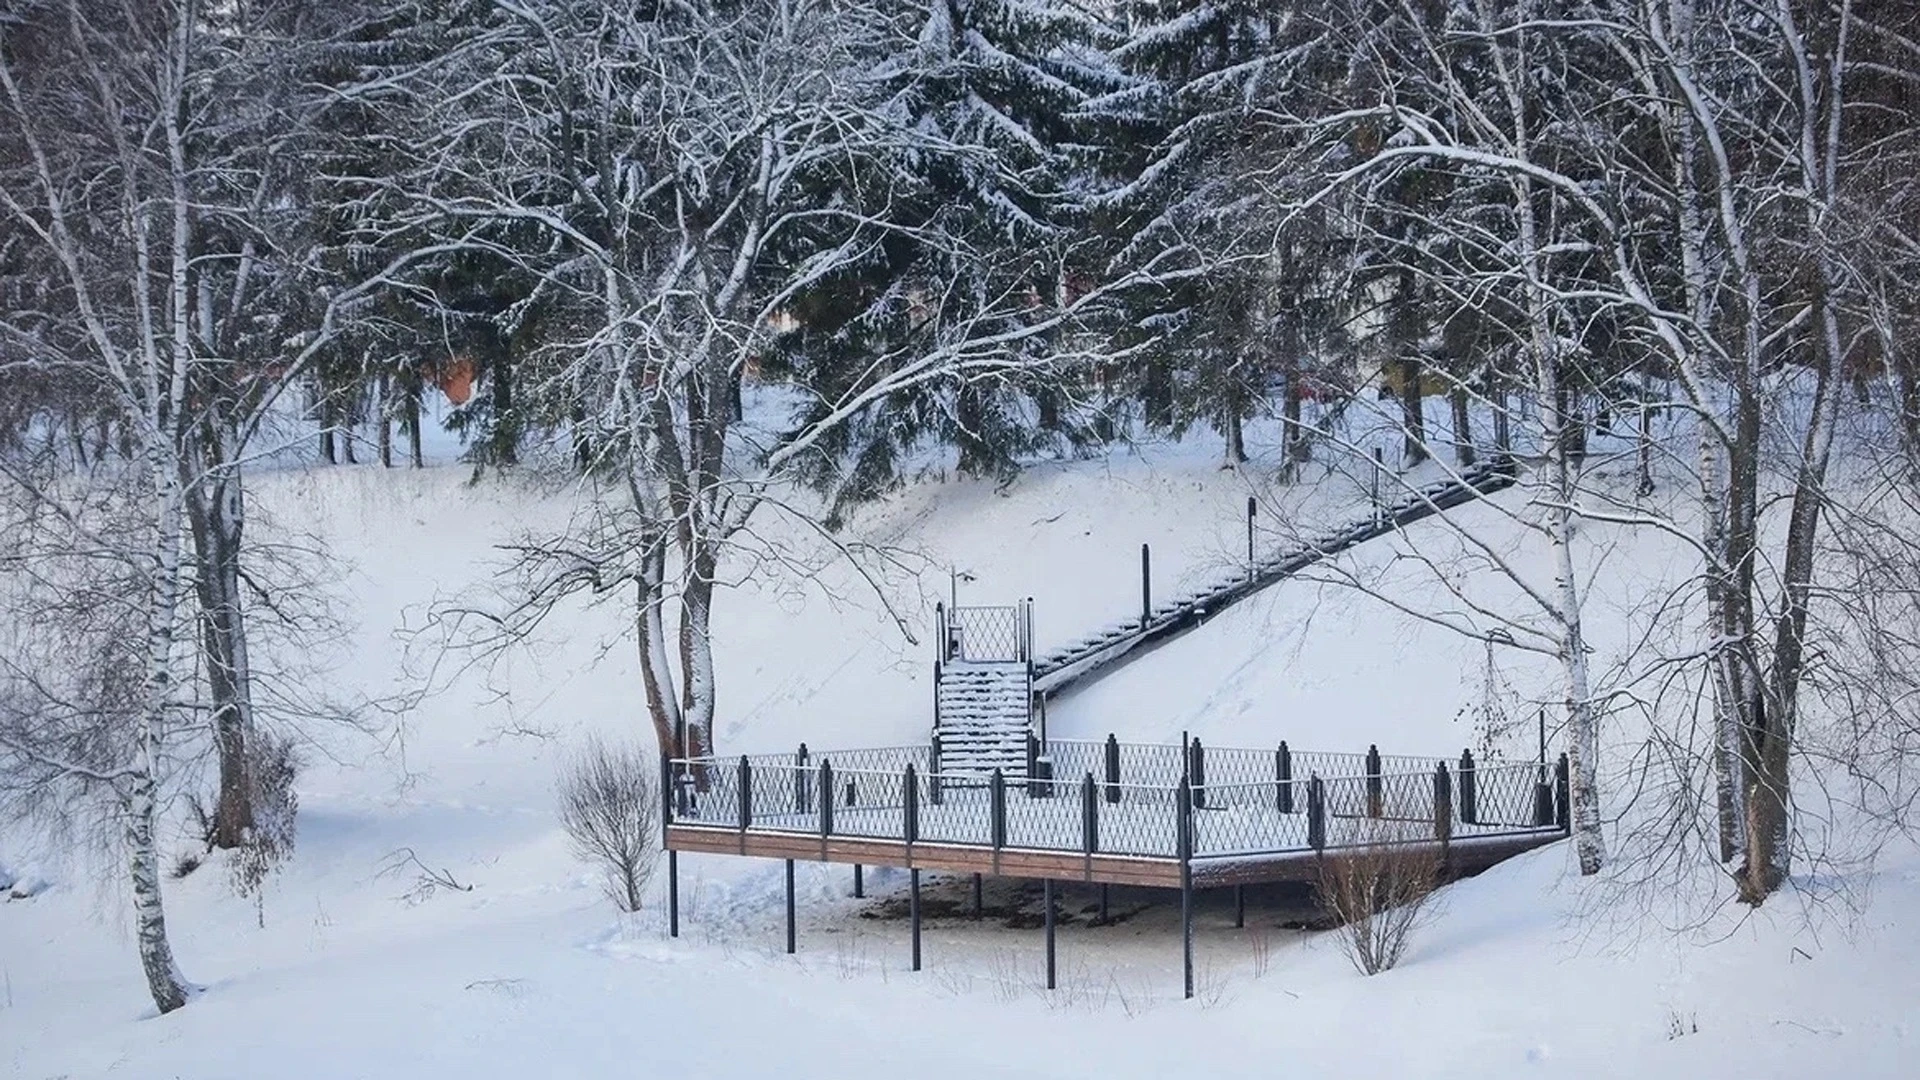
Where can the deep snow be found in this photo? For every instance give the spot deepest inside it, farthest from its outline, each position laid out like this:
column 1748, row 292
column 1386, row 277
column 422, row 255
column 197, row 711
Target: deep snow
column 345, row 970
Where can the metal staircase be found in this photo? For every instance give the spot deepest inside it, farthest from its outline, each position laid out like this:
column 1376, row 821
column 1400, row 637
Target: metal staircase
column 989, row 687
column 983, row 691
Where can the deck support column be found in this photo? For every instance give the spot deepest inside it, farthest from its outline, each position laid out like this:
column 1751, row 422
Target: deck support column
column 859, row 883
column 1046, row 888
column 1239, row 907
column 976, row 896
column 1104, row 889
column 913, row 913
column 1183, row 811
column 790, row 934
column 673, row 893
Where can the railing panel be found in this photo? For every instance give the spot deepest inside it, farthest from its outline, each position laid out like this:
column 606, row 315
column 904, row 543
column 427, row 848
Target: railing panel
column 1505, row 797
column 1244, row 819
column 955, row 810
column 986, row 634
column 1144, row 822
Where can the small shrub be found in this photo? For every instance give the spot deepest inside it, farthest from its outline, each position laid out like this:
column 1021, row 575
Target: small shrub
column 610, row 808
column 1681, row 1024
column 1380, row 892
column 186, row 864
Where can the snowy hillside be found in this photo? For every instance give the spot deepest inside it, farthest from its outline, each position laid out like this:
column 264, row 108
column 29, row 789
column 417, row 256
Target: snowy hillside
column 353, row 965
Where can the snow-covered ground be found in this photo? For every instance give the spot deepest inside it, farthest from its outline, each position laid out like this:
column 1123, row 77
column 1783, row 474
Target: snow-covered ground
column 347, row 967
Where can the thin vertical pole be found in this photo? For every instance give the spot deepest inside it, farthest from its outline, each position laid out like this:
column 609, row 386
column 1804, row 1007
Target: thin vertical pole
column 1047, row 891
column 1103, row 903
column 1252, row 506
column 1379, row 464
column 673, row 893
column 859, row 883
column 1184, row 841
column 976, row 896
column 1146, row 585
column 913, row 912
column 790, row 936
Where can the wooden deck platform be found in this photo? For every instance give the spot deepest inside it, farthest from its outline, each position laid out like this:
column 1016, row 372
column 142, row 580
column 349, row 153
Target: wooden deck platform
column 1459, row 857
column 1152, row 819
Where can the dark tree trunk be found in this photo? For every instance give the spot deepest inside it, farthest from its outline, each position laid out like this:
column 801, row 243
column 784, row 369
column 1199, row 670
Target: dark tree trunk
column 383, row 416
column 1411, row 414
column 216, row 518
column 1463, row 452
column 505, row 448
column 412, row 420
column 1156, row 393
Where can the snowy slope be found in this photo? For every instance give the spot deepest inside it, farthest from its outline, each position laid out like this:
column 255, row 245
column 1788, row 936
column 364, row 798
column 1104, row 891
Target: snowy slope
column 345, row 969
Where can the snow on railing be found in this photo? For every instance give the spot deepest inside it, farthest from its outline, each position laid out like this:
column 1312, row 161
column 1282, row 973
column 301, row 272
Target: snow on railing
column 1137, row 801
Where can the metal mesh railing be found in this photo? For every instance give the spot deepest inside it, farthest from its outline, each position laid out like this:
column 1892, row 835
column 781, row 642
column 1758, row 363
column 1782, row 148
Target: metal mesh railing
column 1485, row 478
column 1508, row 797
column 1165, row 764
column 1088, row 813
column 986, row 634
column 1247, row 819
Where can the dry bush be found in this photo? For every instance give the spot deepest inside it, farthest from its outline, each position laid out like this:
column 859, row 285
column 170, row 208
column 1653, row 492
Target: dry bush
column 609, row 805
column 1380, row 892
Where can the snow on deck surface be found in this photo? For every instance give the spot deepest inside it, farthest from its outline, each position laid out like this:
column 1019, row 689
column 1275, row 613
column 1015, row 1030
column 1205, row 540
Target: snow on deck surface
column 348, row 968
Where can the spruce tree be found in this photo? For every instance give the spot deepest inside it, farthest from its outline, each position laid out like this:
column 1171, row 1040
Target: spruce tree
column 983, row 244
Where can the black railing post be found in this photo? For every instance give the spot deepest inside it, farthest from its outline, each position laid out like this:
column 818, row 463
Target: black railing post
column 1046, row 887
column 673, row 893
column 1183, row 842
column 1316, row 813
column 1146, row 586
column 1026, row 636
column 1089, row 816
column 1562, row 782
column 913, row 911
column 1033, row 766
column 997, row 808
column 942, row 643
column 910, row 813
column 826, row 797
column 1113, row 769
column 1469, row 799
column 800, row 780
column 1283, row 778
column 1197, row 772
column 1543, row 812
column 1374, row 800
column 790, row 933
column 1442, row 804
column 746, row 795
column 934, row 775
